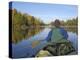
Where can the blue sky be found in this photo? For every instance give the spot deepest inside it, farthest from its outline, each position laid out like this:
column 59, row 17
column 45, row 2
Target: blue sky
column 47, row 12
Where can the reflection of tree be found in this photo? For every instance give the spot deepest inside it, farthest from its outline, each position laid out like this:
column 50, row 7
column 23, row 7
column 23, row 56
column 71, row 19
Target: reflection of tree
column 24, row 34
column 72, row 29
column 23, row 25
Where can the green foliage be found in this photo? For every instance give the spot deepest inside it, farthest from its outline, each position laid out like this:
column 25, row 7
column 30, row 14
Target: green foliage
column 69, row 25
column 70, row 22
column 20, row 24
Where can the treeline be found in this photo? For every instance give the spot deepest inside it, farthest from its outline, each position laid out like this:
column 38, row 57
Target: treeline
column 70, row 22
column 21, row 22
column 71, row 25
column 24, row 20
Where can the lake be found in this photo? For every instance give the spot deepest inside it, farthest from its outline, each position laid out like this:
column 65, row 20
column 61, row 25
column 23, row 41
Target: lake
column 34, row 40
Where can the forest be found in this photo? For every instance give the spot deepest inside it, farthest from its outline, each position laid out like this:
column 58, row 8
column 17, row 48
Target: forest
column 20, row 24
column 22, row 21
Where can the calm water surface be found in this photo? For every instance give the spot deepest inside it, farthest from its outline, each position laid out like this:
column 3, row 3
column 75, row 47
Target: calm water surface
column 23, row 48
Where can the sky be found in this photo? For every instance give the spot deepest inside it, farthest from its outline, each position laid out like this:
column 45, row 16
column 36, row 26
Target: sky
column 47, row 12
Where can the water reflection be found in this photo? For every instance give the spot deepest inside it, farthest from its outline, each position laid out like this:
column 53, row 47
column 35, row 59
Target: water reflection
column 19, row 35
column 72, row 29
column 28, row 47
